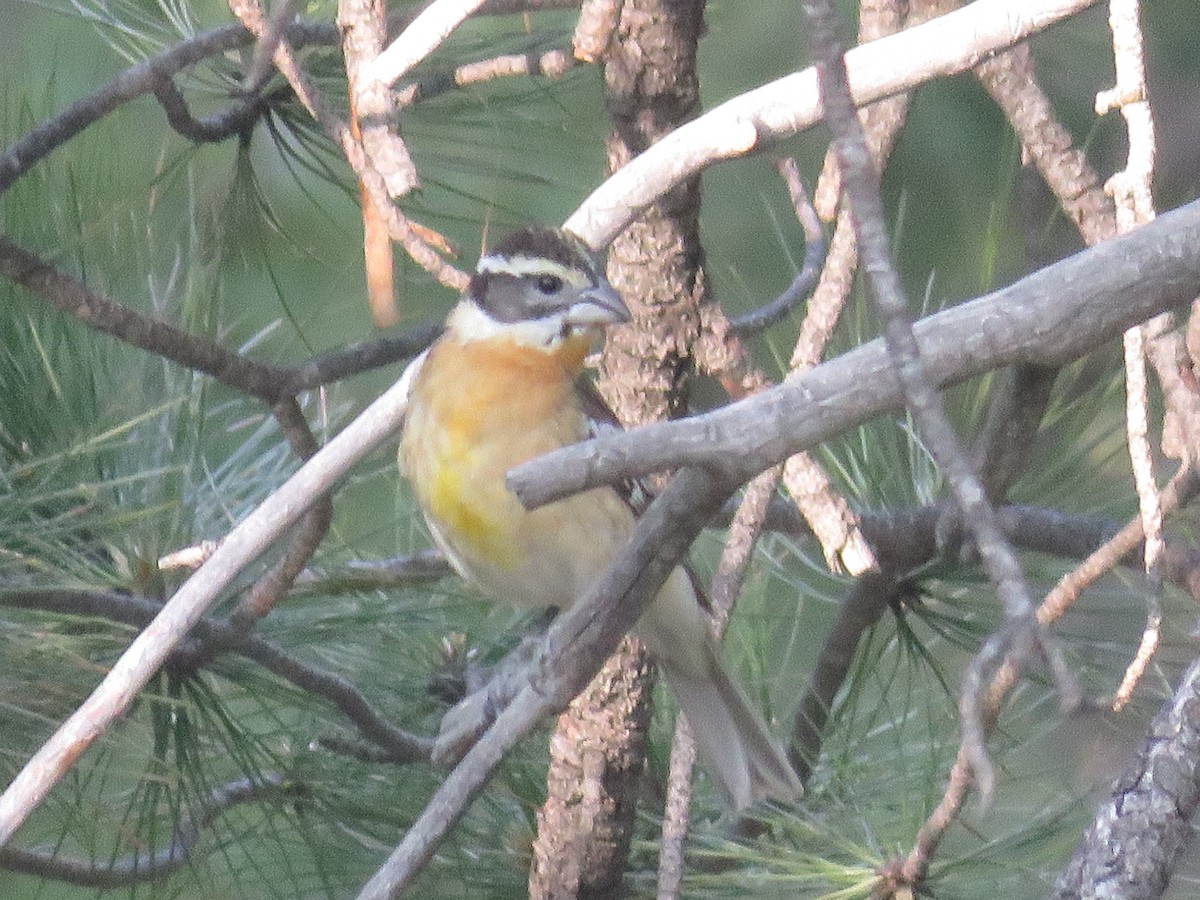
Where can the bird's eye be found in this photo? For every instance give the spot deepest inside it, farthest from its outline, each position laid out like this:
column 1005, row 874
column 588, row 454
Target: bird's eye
column 549, row 284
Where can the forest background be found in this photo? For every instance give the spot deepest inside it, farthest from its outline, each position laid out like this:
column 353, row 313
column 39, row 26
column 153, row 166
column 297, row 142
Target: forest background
column 113, row 458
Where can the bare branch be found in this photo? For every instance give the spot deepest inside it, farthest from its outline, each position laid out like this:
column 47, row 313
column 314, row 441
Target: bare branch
column 425, row 34
column 267, row 381
column 235, row 119
column 810, row 269
column 551, row 64
column 912, row 871
column 283, row 13
column 1131, row 189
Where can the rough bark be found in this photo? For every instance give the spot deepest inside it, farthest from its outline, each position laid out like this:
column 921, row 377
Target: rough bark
column 598, row 749
column 597, row 755
column 1140, row 832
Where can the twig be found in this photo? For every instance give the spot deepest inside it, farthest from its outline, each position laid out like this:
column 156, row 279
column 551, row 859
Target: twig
column 870, row 595
column 283, row 13
column 924, row 404
column 1019, row 398
column 810, row 269
column 210, row 639
column 141, row 866
column 1131, row 190
column 133, row 82
column 912, row 871
column 267, row 381
column 373, row 123
column 363, row 356
column 235, row 119
column 1011, row 81
column 271, row 587
column 72, row 296
column 552, row 64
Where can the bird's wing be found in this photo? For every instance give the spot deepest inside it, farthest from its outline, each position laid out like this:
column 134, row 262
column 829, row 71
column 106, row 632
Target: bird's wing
column 603, row 421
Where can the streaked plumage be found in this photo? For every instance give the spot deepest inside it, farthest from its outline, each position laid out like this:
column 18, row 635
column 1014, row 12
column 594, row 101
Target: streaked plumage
column 498, row 389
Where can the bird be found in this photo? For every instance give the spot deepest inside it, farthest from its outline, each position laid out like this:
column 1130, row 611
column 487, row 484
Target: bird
column 502, row 385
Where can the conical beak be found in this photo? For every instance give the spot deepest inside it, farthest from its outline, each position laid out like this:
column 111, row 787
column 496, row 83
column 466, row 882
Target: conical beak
column 598, row 306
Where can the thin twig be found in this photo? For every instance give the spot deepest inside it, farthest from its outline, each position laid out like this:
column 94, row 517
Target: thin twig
column 810, row 269
column 267, row 381
column 914, row 868
column 1131, row 190
column 551, row 64
column 211, row 639
column 72, row 296
column 283, row 13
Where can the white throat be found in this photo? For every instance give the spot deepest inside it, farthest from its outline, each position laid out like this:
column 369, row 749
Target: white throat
column 467, row 323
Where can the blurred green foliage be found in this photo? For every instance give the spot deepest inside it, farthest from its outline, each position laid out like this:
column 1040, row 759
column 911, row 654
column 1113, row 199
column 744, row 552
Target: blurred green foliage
column 109, row 458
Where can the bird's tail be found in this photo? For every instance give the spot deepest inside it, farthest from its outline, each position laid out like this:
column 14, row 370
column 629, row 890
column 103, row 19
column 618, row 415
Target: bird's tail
column 732, row 741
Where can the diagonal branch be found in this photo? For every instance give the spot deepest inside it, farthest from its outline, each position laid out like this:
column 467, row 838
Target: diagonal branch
column 1048, row 318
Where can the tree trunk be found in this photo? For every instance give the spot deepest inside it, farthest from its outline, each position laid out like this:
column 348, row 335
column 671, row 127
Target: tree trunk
column 598, row 750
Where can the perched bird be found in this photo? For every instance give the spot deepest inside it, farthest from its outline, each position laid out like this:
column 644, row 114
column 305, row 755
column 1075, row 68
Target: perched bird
column 501, row 386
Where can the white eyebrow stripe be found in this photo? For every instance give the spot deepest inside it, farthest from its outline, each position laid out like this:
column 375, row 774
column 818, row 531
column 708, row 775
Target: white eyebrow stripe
column 531, row 265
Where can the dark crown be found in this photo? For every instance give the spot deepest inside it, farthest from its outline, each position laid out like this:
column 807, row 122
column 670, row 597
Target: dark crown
column 539, row 242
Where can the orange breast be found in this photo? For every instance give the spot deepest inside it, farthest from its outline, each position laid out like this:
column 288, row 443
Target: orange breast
column 476, row 410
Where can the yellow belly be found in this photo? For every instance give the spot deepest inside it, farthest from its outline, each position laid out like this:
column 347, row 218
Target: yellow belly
column 458, row 445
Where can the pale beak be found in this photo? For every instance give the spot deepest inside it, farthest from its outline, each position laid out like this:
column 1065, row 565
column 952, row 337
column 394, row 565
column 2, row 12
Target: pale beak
column 596, row 307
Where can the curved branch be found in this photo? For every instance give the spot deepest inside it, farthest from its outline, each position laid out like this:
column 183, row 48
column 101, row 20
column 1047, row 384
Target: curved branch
column 133, row 82
column 815, row 251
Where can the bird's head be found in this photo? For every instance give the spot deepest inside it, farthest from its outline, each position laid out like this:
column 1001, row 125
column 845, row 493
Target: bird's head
column 538, row 287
